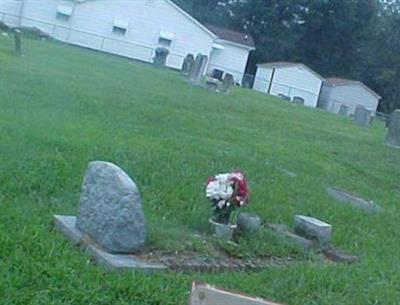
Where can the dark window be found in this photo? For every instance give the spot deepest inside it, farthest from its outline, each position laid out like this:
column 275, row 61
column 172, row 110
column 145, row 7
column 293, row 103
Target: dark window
column 218, row 74
column 119, row 31
column 62, row 17
column 166, row 43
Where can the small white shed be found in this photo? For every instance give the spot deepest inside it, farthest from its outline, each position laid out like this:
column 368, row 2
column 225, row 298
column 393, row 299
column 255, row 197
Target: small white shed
column 292, row 81
column 340, row 95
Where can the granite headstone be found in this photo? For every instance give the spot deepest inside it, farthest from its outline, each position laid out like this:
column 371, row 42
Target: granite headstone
column 111, row 210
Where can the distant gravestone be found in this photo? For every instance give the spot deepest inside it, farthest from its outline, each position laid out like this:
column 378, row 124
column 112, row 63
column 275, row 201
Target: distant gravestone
column 313, row 229
column 227, row 83
column 393, row 136
column 201, row 69
column 344, row 110
column 198, row 69
column 111, row 210
column 194, row 68
column 187, row 64
column 17, row 42
column 160, row 58
column 362, row 116
column 354, row 200
column 203, row 294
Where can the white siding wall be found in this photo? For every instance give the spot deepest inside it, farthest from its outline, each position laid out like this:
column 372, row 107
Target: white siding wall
column 232, row 59
column 297, row 81
column 10, row 12
column 262, row 79
column 351, row 95
column 92, row 22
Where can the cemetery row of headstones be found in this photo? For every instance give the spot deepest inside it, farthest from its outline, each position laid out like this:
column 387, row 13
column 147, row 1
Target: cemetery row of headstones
column 195, row 70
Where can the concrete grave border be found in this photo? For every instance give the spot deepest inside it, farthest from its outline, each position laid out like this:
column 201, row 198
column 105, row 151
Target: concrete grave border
column 147, row 264
column 111, row 262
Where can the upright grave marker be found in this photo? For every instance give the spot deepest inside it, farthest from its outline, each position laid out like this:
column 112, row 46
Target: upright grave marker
column 227, row 83
column 187, row 64
column 196, row 74
column 393, row 136
column 362, row 116
column 111, row 209
column 111, row 225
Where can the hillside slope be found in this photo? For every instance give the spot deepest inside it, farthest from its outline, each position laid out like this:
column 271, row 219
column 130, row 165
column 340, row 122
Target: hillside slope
column 63, row 106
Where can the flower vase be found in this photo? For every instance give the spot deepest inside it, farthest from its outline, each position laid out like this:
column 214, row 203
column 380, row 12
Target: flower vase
column 223, row 231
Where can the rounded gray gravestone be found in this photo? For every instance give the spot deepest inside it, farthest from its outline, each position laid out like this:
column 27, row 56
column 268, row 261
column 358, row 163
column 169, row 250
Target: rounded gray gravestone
column 111, row 210
column 248, row 222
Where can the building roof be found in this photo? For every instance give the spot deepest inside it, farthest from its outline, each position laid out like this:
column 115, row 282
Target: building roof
column 233, row 36
column 285, row 64
column 216, row 32
column 279, row 64
column 337, row 81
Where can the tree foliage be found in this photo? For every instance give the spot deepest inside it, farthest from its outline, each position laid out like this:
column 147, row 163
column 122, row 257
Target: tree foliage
column 357, row 39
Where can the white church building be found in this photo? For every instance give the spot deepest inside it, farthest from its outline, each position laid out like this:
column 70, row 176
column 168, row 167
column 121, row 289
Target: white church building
column 134, row 29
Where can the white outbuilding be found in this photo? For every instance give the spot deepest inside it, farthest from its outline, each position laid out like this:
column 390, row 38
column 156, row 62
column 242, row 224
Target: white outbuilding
column 342, row 96
column 291, row 81
column 134, row 29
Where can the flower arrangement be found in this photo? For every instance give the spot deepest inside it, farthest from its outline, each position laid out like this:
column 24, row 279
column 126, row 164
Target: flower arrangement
column 226, row 193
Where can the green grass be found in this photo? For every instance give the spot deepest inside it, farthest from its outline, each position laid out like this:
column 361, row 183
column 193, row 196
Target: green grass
column 61, row 107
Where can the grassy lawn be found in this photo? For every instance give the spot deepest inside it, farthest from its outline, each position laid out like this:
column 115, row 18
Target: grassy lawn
column 62, row 106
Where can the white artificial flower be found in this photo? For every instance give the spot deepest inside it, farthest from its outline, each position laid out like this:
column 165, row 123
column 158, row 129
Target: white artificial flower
column 220, row 189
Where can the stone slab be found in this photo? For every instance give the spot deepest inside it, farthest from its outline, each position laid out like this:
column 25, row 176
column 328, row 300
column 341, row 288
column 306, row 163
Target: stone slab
column 313, row 229
column 111, row 262
column 286, row 172
column 204, row 294
column 346, row 197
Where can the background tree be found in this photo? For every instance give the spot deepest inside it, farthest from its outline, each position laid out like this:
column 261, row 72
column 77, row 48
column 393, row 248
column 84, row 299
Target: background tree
column 357, row 39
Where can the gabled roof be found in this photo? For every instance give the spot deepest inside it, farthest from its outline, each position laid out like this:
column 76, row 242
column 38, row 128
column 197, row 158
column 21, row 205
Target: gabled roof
column 233, row 36
column 286, row 64
column 336, row 82
column 215, row 32
column 194, row 20
column 279, row 64
column 178, row 8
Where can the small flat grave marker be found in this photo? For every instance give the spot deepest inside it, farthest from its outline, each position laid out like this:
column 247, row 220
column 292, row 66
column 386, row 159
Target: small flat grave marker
column 203, row 294
column 354, row 200
column 314, row 229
